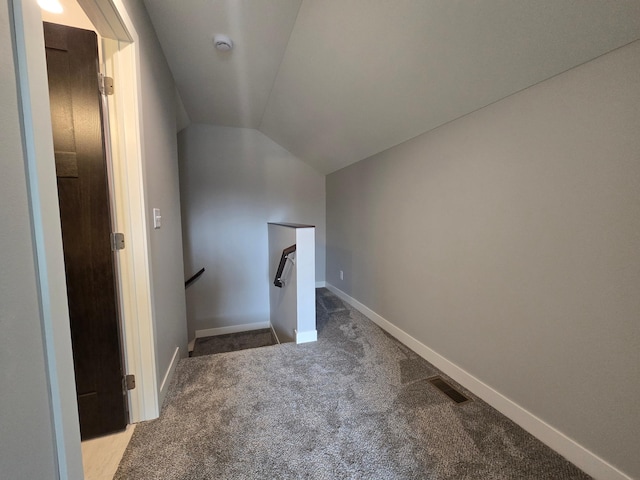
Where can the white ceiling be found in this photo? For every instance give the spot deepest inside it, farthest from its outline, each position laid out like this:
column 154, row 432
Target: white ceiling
column 72, row 15
column 224, row 88
column 335, row 81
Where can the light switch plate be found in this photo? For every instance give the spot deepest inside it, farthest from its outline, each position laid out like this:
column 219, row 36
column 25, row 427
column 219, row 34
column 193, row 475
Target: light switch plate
column 157, row 218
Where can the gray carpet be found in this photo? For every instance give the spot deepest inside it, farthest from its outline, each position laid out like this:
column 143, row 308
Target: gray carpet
column 232, row 342
column 354, row 404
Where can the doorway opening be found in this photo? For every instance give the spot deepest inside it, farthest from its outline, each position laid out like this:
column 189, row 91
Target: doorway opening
column 121, row 61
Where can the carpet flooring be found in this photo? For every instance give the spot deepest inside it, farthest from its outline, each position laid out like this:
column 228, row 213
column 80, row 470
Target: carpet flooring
column 355, row 404
column 232, row 342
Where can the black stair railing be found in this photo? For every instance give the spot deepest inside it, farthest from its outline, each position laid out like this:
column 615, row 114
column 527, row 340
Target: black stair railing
column 193, row 277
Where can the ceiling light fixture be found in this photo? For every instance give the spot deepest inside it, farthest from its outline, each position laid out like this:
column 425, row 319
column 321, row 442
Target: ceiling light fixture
column 52, row 6
column 222, row 42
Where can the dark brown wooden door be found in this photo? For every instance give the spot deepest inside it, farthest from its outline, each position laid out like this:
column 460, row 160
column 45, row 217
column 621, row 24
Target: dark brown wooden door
column 83, row 195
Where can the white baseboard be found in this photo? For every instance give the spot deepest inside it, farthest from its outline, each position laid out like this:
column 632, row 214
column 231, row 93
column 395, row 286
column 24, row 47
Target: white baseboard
column 321, row 284
column 212, row 332
column 306, row 337
column 168, row 375
column 584, row 459
column 275, row 335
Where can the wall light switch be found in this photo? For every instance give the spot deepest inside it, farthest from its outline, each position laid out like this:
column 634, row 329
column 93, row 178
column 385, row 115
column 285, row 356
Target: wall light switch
column 157, row 218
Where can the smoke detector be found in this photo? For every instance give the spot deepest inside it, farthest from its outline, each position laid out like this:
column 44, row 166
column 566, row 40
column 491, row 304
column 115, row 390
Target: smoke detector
column 222, row 42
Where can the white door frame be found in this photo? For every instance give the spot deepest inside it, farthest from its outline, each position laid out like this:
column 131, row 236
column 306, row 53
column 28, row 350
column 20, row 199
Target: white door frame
column 112, row 22
column 121, row 61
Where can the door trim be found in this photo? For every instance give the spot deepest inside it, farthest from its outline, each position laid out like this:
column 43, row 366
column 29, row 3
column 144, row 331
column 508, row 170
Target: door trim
column 45, row 224
column 121, row 61
column 138, row 329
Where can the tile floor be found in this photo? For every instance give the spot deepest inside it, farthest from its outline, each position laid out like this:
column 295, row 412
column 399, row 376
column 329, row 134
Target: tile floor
column 101, row 456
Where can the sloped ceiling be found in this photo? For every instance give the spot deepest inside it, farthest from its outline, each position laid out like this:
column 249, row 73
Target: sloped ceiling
column 335, row 81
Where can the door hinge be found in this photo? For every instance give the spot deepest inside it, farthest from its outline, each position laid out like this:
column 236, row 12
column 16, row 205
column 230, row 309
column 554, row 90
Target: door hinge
column 117, row 241
column 130, row 382
column 106, row 84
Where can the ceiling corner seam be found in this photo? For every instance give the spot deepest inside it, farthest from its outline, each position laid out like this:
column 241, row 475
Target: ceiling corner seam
column 275, row 77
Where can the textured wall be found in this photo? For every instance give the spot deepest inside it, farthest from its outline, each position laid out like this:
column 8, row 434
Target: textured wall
column 25, row 418
column 233, row 181
column 507, row 241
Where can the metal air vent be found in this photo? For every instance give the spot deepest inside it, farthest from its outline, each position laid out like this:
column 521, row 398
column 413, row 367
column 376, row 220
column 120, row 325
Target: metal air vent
column 448, row 390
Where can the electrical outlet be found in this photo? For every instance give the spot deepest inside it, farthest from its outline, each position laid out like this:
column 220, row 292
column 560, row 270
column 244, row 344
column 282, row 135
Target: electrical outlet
column 341, row 275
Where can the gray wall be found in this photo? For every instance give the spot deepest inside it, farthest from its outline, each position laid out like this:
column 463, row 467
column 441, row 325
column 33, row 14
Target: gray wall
column 507, row 241
column 160, row 153
column 25, row 418
column 233, row 181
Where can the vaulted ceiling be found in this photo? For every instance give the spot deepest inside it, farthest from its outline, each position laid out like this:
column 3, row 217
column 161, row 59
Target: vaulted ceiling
column 335, row 81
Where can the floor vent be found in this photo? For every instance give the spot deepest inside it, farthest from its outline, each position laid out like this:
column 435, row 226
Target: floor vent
column 448, row 390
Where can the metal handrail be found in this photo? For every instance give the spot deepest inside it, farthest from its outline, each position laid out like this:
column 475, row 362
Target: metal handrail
column 283, row 260
column 193, row 278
